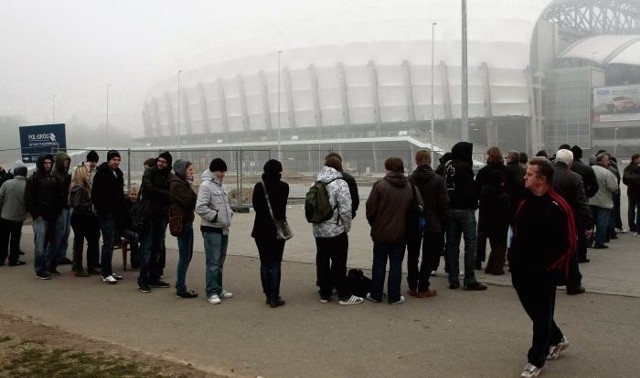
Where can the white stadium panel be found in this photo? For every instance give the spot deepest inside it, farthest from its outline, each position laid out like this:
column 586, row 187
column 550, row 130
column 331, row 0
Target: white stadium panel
column 390, row 113
column 395, row 95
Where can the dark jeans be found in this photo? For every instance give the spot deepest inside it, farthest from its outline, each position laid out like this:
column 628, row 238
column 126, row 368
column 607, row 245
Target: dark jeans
column 45, row 234
column 582, row 239
column 151, row 248
column 601, row 217
column 271, row 251
column 134, row 246
column 418, row 278
column 10, row 233
column 498, row 255
column 185, row 251
column 331, row 260
column 108, row 229
column 633, row 212
column 461, row 223
column 381, row 253
column 537, row 294
column 617, row 218
column 85, row 226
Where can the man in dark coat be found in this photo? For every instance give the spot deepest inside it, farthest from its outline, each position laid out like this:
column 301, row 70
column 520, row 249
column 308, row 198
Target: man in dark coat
column 631, row 178
column 436, row 201
column 517, row 171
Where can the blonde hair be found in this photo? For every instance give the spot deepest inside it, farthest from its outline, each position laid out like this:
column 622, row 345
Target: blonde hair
column 80, row 178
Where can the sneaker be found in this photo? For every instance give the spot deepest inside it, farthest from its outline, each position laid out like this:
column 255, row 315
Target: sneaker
column 401, row 300
column 187, row 294
column 554, row 350
column 116, row 276
column 110, row 280
column 53, row 272
column 144, row 289
column 226, row 294
column 372, row 299
column 427, row 294
column 324, row 300
column 214, row 299
column 159, row 284
column 93, row 271
column 352, row 300
column 43, row 276
column 530, row 371
column 621, row 230
column 475, row 286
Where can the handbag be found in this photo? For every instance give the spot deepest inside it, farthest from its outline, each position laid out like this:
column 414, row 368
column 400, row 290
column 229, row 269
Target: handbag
column 175, row 225
column 283, row 231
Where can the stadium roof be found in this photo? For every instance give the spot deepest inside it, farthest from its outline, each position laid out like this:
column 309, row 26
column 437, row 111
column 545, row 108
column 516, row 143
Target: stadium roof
column 606, row 49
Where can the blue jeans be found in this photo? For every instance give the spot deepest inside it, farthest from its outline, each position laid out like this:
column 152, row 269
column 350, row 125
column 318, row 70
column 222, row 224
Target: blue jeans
column 108, row 229
column 461, row 223
column 215, row 249
column 601, row 217
column 151, row 249
column 185, row 250
column 271, row 251
column 633, row 212
column 45, row 234
column 381, row 253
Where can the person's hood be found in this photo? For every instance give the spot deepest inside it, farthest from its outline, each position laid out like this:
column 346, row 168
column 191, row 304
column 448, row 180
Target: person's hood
column 327, row 174
column 103, row 167
column 445, row 158
column 58, row 165
column 423, row 173
column 396, row 179
column 462, row 151
column 40, row 162
column 180, row 167
column 206, row 175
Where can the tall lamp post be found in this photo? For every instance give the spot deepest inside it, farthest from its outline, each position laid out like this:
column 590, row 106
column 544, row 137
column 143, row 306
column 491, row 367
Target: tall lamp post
column 279, row 143
column 433, row 43
column 106, row 129
column 615, row 142
column 465, row 84
column 178, row 118
column 53, row 109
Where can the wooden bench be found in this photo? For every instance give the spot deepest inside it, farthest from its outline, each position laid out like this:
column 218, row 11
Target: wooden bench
column 123, row 244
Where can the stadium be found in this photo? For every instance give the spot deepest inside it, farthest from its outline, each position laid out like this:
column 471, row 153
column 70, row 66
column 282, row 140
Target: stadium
column 371, row 79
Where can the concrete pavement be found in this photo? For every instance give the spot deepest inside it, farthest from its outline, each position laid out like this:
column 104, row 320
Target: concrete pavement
column 456, row 334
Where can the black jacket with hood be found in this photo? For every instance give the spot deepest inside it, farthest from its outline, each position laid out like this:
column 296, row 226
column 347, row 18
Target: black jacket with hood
column 62, row 174
column 107, row 192
column 43, row 192
column 464, row 196
column 434, row 195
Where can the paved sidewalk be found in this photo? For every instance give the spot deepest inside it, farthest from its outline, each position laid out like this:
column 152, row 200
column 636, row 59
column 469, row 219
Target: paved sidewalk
column 456, row 334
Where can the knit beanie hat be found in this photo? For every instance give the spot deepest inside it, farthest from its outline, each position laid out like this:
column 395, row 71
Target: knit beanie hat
column 272, row 167
column 218, row 164
column 166, row 156
column 180, row 167
column 93, row 156
column 111, row 154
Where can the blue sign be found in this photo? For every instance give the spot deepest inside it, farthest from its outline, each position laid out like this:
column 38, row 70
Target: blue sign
column 40, row 139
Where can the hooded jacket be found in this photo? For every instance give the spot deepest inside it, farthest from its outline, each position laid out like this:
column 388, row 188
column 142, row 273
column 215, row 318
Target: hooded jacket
column 212, row 204
column 464, row 196
column 387, row 208
column 434, row 196
column 155, row 189
column 588, row 177
column 107, row 191
column 182, row 198
column 43, row 192
column 62, row 174
column 340, row 200
column 607, row 187
column 263, row 225
column 631, row 178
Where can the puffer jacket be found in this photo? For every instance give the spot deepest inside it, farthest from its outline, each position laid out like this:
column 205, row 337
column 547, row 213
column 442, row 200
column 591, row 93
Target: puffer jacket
column 340, row 200
column 607, row 187
column 387, row 208
column 212, row 204
column 42, row 193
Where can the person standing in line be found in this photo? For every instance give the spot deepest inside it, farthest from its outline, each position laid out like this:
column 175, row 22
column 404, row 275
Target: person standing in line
column 544, row 240
column 601, row 204
column 270, row 248
column 12, row 213
column 183, row 204
column 126, row 231
column 213, row 207
column 107, row 194
column 83, row 222
column 332, row 242
column 496, row 213
column 436, row 201
column 155, row 191
column 91, row 161
column 60, row 170
column 631, row 178
column 590, row 184
column 387, row 208
column 42, row 199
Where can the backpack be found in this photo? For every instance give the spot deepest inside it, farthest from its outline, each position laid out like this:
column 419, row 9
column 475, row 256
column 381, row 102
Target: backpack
column 449, row 176
column 416, row 222
column 317, row 207
column 358, row 284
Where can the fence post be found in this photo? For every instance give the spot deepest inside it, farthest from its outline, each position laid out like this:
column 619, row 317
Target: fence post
column 128, row 168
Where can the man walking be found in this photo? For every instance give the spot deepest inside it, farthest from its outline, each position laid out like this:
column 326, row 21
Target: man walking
column 107, row 193
column 543, row 242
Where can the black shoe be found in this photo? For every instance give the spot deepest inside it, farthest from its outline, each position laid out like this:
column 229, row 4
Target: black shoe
column 604, row 246
column 43, row 276
column 144, row 289
column 476, row 286
column 187, row 294
column 53, row 272
column 582, row 261
column 159, row 284
column 21, row 253
column 65, row 261
column 277, row 303
column 575, row 290
column 17, row 263
column 454, row 285
column 93, row 272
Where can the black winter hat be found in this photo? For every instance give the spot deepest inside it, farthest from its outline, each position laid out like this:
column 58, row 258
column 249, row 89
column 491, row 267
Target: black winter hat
column 111, row 154
column 273, row 167
column 166, row 156
column 93, row 156
column 218, row 164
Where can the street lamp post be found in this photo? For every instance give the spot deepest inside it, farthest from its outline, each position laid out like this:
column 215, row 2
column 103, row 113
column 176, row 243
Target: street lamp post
column 178, row 118
column 279, row 143
column 615, row 142
column 106, row 129
column 433, row 43
column 465, row 84
column 53, row 108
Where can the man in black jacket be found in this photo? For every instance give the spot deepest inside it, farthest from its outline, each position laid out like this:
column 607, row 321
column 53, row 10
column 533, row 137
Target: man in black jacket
column 463, row 202
column 631, row 178
column 537, row 262
column 436, row 201
column 42, row 199
column 590, row 184
column 107, row 193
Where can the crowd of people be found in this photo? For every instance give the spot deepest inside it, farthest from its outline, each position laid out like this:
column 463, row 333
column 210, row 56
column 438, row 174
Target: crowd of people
column 573, row 204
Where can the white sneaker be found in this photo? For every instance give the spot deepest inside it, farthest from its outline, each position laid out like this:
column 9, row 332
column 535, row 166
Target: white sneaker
column 226, row 294
column 621, row 230
column 214, row 299
column 401, row 300
column 353, row 300
column 554, row 350
column 530, row 371
column 110, row 280
column 116, row 276
column 370, row 298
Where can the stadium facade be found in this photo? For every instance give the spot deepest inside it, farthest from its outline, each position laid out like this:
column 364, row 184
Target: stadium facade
column 359, row 78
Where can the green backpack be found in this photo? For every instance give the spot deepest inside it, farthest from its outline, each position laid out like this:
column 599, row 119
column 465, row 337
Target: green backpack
column 317, row 207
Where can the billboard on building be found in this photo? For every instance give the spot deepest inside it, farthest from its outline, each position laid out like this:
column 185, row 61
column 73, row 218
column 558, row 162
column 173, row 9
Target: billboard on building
column 39, row 139
column 612, row 104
